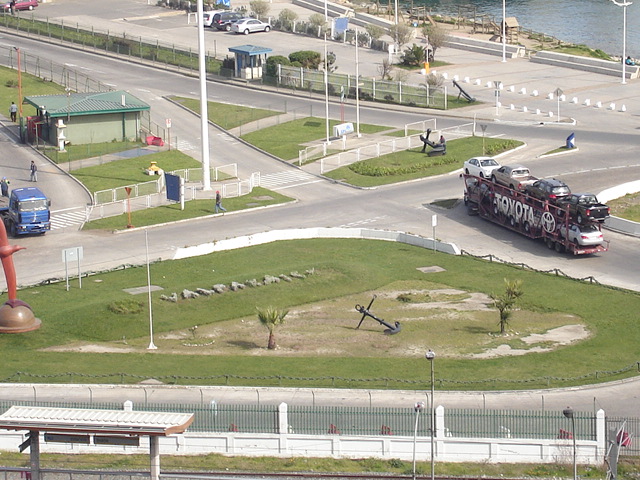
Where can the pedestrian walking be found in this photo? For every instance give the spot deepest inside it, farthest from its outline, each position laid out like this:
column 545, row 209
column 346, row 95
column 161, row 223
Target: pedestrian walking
column 12, row 6
column 13, row 110
column 219, row 203
column 34, row 172
column 4, row 187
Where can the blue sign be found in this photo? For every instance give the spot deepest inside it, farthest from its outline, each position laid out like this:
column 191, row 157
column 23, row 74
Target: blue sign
column 341, row 24
column 571, row 141
column 173, row 186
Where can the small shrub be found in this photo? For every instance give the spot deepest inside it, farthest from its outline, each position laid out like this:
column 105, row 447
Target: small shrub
column 126, row 307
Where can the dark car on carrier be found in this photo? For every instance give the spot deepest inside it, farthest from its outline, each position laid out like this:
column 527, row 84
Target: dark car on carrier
column 547, row 189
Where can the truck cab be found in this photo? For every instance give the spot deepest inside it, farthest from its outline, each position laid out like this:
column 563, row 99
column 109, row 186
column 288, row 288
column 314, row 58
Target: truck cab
column 27, row 212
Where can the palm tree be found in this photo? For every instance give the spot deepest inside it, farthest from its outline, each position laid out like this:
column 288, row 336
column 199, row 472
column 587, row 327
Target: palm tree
column 271, row 317
column 504, row 303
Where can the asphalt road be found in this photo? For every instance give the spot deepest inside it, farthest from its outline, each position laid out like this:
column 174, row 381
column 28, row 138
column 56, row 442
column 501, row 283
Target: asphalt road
column 604, row 159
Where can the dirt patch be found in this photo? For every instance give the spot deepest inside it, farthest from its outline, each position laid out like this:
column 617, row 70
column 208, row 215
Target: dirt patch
column 457, row 323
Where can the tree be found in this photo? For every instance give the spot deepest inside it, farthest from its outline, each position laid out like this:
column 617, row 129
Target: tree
column 287, row 16
column 317, row 20
column 505, row 302
column 271, row 317
column 385, row 68
column 401, row 34
column 374, row 31
column 436, row 35
column 414, row 55
column 259, row 7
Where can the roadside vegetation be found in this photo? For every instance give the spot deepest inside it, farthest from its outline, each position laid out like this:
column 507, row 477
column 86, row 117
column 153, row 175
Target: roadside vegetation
column 259, row 197
column 627, row 466
column 321, row 314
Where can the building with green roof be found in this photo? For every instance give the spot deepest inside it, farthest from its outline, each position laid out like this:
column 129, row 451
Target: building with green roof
column 85, row 117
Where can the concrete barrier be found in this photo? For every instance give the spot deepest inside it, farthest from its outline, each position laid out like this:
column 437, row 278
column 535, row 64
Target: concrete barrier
column 587, row 64
column 308, row 233
column 484, row 46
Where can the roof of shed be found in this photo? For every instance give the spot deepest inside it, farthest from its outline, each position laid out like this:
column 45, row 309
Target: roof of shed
column 87, row 103
column 250, row 50
column 92, row 421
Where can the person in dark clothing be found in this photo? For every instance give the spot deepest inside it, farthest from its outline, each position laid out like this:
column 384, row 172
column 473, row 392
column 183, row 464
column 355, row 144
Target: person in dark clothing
column 4, row 187
column 219, row 202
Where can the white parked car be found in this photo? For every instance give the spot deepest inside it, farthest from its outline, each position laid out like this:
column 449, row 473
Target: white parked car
column 481, row 166
column 207, row 17
column 583, row 235
column 249, row 25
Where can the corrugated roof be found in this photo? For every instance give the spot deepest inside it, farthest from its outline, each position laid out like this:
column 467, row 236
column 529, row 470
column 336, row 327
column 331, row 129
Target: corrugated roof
column 93, row 420
column 250, row 50
column 87, row 103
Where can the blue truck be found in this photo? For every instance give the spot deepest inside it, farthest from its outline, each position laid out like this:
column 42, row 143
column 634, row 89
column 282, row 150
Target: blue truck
column 26, row 212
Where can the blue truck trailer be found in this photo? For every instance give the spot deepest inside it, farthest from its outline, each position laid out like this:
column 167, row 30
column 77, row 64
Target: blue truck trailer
column 26, row 212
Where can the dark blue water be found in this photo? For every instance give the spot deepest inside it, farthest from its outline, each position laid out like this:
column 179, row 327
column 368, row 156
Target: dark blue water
column 596, row 23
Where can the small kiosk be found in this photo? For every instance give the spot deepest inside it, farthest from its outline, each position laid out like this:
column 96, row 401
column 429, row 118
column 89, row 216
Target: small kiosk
column 250, row 60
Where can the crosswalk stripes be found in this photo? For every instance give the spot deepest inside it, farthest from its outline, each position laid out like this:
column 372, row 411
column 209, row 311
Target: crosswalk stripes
column 365, row 221
column 273, row 181
column 67, row 218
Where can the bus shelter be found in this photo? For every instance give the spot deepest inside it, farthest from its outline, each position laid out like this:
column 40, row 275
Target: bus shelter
column 93, row 426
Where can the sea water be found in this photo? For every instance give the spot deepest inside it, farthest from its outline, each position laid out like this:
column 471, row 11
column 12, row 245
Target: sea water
column 595, row 23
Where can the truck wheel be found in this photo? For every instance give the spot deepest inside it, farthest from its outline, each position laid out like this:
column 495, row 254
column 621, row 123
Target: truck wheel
column 527, row 228
column 549, row 243
column 580, row 219
column 513, row 222
column 559, row 247
column 493, row 178
column 12, row 229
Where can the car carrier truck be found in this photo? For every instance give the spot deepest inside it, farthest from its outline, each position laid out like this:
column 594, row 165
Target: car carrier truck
column 528, row 216
column 26, row 211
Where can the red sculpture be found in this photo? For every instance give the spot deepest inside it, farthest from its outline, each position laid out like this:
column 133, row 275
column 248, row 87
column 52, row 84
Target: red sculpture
column 16, row 316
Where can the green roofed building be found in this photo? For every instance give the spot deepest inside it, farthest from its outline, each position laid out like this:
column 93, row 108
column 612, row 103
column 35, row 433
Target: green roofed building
column 81, row 118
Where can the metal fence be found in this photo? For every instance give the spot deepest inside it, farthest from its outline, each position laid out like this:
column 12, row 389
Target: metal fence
column 298, row 78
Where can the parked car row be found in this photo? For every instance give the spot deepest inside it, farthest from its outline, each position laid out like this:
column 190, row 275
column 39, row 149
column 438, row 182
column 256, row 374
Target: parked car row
column 583, row 208
column 233, row 22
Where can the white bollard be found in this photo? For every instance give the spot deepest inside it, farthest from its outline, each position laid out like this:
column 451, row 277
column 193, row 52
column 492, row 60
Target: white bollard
column 445, row 75
column 489, row 84
column 598, row 104
column 550, row 96
column 512, row 107
column 537, row 111
column 525, row 109
column 478, row 81
column 512, row 88
column 587, row 102
column 623, row 108
column 534, row 93
column 563, row 97
column 466, row 80
column 574, row 100
column 523, row 91
column 456, row 78
column 612, row 106
column 551, row 114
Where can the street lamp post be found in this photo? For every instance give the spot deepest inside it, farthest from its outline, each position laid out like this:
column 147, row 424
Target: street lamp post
column 431, row 355
column 559, row 93
column 504, row 30
column 418, row 407
column 624, row 6
column 568, row 412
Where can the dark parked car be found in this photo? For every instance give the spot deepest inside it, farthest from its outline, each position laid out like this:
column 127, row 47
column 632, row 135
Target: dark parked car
column 21, row 5
column 550, row 189
column 584, row 207
column 223, row 20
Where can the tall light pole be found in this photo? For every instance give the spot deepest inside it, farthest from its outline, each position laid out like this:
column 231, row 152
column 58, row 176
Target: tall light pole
column 357, row 88
column 559, row 93
column 504, row 30
column 624, row 6
column 431, row 356
column 418, row 407
column 326, row 71
column 204, row 113
column 497, row 84
column 568, row 412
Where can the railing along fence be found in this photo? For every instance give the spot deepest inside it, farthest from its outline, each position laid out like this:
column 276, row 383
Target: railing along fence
column 157, row 185
column 616, row 427
column 369, row 421
column 382, row 148
column 421, row 126
column 299, row 78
